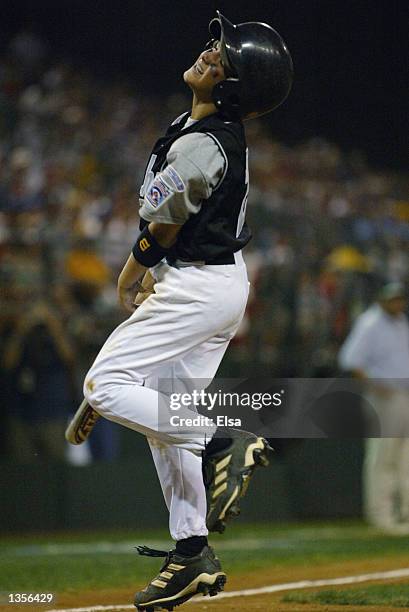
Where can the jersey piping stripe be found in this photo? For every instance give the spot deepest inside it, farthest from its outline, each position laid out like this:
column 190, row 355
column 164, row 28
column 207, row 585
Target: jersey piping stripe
column 179, row 119
column 226, row 161
column 242, row 214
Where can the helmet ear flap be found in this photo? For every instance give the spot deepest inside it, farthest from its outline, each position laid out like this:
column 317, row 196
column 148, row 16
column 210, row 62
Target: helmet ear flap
column 257, row 55
column 226, row 97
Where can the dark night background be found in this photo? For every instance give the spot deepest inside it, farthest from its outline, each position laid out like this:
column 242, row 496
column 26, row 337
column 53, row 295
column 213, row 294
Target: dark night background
column 350, row 57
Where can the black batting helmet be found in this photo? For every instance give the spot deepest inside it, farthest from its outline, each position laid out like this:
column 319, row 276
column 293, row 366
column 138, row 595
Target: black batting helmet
column 258, row 65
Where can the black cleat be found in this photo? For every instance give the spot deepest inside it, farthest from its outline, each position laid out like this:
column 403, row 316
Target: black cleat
column 227, row 474
column 82, row 423
column 180, row 578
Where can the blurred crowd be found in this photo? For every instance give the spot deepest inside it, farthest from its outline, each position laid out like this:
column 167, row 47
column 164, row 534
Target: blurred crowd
column 328, row 231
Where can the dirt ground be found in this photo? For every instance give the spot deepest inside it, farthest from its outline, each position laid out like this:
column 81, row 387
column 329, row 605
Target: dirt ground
column 265, row 602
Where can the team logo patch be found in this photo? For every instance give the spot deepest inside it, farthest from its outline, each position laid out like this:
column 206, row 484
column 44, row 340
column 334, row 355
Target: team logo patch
column 174, row 177
column 144, row 244
column 157, row 192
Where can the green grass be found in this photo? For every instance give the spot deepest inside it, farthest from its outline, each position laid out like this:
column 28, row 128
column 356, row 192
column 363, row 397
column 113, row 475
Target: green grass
column 60, row 563
column 395, row 595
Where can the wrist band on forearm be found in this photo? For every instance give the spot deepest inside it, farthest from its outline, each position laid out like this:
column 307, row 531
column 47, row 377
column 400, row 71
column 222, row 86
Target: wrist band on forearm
column 147, row 251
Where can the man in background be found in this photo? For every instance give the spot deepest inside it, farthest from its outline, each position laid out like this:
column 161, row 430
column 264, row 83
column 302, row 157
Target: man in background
column 377, row 352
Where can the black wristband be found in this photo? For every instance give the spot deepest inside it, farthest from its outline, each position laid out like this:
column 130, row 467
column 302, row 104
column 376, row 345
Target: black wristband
column 147, row 250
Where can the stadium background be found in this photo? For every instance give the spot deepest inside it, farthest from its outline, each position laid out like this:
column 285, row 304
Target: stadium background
column 84, row 91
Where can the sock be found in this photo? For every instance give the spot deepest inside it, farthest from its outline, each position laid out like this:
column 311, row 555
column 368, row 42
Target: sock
column 190, row 547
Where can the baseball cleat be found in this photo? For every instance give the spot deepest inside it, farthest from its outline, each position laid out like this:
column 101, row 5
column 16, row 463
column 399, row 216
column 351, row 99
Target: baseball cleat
column 227, row 474
column 180, row 578
column 82, row 423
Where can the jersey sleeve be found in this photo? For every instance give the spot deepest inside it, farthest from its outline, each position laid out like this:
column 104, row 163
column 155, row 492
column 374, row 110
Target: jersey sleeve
column 195, row 167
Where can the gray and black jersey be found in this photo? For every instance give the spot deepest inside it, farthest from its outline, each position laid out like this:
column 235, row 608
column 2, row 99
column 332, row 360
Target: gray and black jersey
column 197, row 176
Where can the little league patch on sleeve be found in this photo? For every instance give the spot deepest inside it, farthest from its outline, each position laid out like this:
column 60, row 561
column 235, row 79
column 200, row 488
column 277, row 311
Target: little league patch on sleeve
column 157, row 192
column 176, row 179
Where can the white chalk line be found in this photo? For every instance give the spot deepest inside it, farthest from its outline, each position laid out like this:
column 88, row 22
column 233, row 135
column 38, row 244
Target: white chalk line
column 274, row 588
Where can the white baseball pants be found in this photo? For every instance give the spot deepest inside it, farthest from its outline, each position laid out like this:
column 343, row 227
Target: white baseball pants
column 386, row 466
column 180, row 332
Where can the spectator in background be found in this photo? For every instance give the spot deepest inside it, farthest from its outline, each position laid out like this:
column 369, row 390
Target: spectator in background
column 39, row 359
column 377, row 351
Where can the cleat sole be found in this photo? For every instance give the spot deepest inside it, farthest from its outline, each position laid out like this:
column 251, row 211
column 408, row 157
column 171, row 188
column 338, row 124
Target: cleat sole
column 218, row 586
column 258, row 455
column 82, row 424
column 212, row 589
column 202, row 588
column 262, row 456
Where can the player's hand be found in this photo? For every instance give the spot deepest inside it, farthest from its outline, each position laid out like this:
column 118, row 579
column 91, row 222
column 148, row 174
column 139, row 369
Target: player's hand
column 129, row 283
column 126, row 295
column 141, row 297
column 148, row 283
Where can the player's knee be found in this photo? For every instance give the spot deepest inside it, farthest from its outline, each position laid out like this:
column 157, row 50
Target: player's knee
column 89, row 389
column 94, row 388
column 101, row 391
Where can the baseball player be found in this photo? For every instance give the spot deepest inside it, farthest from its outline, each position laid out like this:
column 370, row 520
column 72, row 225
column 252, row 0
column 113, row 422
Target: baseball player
column 187, row 263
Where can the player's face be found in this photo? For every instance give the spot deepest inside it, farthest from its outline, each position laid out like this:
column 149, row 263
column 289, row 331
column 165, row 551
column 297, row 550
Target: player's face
column 205, row 73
